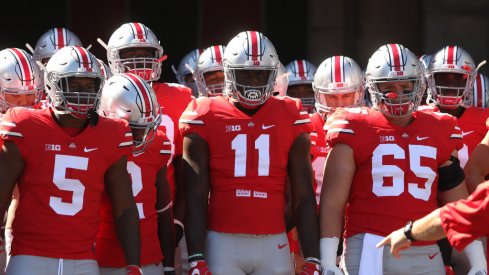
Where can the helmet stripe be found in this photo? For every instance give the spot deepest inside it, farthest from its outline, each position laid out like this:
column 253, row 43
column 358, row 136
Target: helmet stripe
column 338, row 70
column 143, row 91
column 301, row 72
column 26, row 70
column 217, row 50
column 138, row 30
column 60, row 35
column 254, row 45
column 84, row 56
column 478, row 91
column 395, row 53
column 451, row 54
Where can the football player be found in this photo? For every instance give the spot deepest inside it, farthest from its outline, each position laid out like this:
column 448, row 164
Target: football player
column 62, row 163
column 387, row 165
column 238, row 152
column 186, row 68
column 52, row 41
column 129, row 97
column 301, row 74
column 134, row 48
column 209, row 71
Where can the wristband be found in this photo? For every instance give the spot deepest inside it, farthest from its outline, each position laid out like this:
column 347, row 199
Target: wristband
column 407, row 231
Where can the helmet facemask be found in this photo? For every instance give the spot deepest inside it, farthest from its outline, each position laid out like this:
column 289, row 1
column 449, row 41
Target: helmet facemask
column 450, row 90
column 397, row 104
column 147, row 67
column 249, row 86
column 144, row 131
column 78, row 102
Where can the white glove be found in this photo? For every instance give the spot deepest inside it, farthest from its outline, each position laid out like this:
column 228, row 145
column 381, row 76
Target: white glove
column 477, row 260
column 328, row 247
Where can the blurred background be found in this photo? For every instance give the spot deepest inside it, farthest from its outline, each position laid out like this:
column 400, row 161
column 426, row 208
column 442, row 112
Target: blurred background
column 310, row 29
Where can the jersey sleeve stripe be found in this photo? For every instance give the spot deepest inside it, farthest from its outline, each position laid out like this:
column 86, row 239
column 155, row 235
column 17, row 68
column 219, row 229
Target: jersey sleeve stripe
column 304, row 113
column 339, row 122
column 313, row 134
column 191, row 121
column 313, row 143
column 456, row 136
column 340, row 130
column 9, row 133
column 457, row 128
column 165, row 152
column 190, row 113
column 302, row 121
column 128, row 134
column 8, row 123
column 124, row 144
column 167, row 143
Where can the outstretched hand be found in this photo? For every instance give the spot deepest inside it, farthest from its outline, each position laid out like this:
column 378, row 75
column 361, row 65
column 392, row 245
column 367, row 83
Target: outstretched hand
column 397, row 242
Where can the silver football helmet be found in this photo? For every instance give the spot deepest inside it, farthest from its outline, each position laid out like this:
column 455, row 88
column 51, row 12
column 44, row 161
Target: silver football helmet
column 186, row 67
column 394, row 63
column 337, row 75
column 52, row 41
column 209, row 61
column 281, row 81
column 67, row 63
column 106, row 72
column 19, row 75
column 131, row 36
column 128, row 96
column 481, row 91
column 250, row 68
column 301, row 72
column 451, row 60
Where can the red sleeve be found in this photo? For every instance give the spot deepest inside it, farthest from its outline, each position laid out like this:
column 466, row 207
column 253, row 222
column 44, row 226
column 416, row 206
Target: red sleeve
column 191, row 120
column 340, row 128
column 164, row 148
column 122, row 136
column 467, row 220
column 302, row 123
column 11, row 126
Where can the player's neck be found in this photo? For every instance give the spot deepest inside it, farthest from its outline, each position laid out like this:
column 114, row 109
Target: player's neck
column 69, row 121
column 249, row 112
column 457, row 112
column 401, row 122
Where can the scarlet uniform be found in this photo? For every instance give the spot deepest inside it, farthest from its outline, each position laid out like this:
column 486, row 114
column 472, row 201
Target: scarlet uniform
column 143, row 169
column 466, row 220
column 319, row 152
column 173, row 98
column 473, row 126
column 396, row 175
column 62, row 181
column 248, row 160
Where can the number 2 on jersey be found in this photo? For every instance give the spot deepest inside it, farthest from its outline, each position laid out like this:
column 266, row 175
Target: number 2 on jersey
column 262, row 144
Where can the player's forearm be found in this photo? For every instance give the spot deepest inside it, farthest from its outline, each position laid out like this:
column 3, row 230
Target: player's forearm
column 127, row 229
column 477, row 168
column 428, row 228
column 195, row 233
column 307, row 226
column 330, row 220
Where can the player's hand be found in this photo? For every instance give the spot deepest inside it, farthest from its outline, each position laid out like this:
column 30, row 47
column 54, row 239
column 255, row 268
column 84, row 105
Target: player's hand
column 133, row 270
column 312, row 266
column 477, row 271
column 397, row 240
column 199, row 268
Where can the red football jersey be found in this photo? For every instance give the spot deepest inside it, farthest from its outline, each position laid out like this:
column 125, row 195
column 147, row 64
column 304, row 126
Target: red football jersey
column 319, row 152
column 466, row 220
column 248, row 159
column 473, row 126
column 143, row 169
column 173, row 99
column 62, row 181
column 396, row 176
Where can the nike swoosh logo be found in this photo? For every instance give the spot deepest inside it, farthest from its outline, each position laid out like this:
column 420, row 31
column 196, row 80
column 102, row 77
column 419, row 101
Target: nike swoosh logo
column 421, row 138
column 87, row 150
column 264, row 127
column 432, row 256
column 466, row 133
column 280, row 246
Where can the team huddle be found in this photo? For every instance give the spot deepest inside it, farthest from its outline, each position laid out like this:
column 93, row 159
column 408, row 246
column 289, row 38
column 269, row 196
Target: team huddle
column 246, row 166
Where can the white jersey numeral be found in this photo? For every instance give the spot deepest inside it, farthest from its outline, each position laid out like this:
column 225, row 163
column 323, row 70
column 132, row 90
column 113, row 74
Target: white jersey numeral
column 262, row 144
column 381, row 171
column 61, row 163
column 137, row 184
